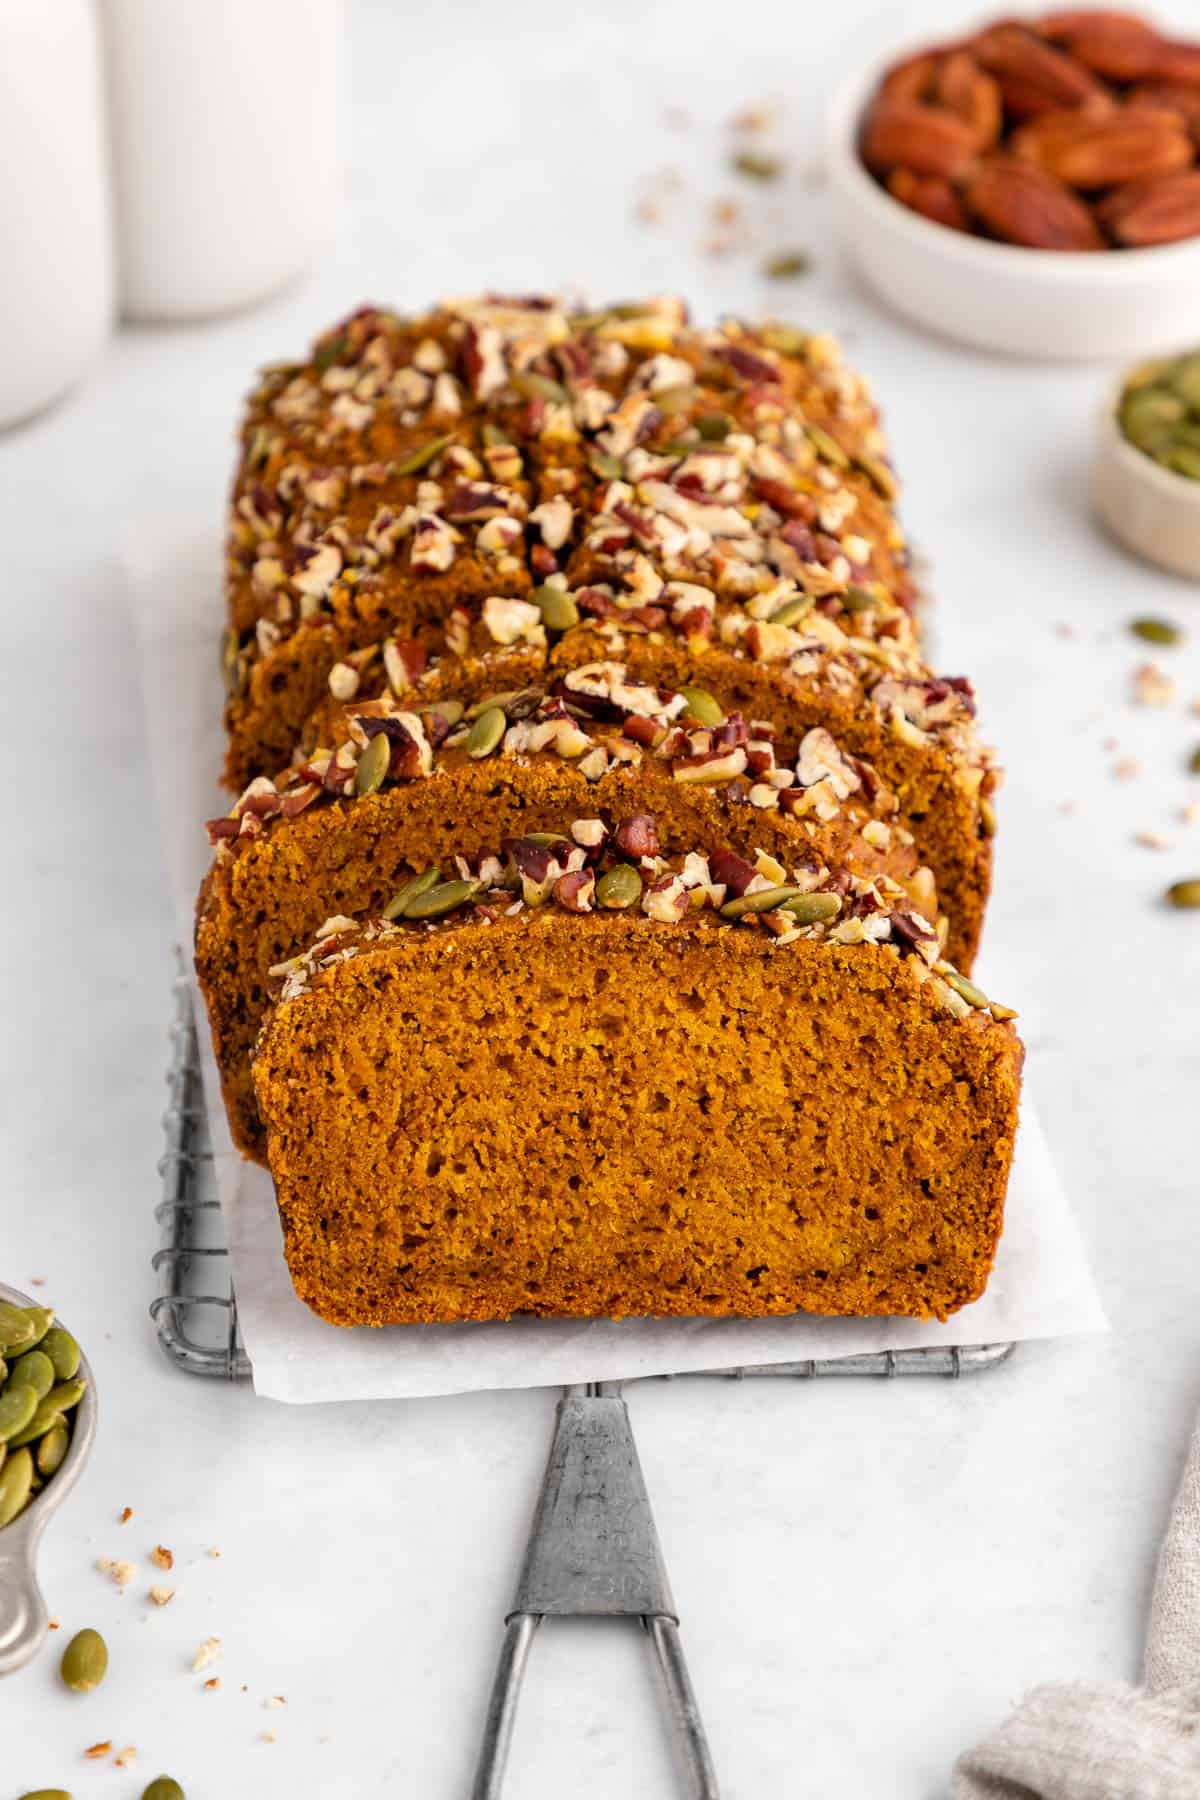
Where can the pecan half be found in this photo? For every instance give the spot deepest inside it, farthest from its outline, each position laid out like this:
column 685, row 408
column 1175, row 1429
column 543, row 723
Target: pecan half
column 1021, row 204
column 1119, row 46
column 906, row 135
column 963, row 88
column 1144, row 213
column 1033, row 76
column 1177, row 62
column 930, row 195
column 1171, row 96
column 1131, row 143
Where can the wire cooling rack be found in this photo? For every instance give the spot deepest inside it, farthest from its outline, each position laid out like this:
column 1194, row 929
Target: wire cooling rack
column 195, row 1310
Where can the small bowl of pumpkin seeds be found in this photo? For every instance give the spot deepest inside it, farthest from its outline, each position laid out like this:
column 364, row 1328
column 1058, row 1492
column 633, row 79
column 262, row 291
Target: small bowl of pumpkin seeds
column 47, row 1424
column 1146, row 478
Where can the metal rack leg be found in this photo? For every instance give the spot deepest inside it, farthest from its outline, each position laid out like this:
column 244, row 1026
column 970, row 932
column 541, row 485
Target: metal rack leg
column 685, row 1713
column 502, row 1707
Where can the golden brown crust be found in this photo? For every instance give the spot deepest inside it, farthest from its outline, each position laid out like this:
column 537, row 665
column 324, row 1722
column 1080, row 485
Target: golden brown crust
column 614, row 1118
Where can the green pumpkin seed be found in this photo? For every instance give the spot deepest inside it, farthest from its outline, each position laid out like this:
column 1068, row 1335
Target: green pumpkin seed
column 16, row 1481
column 84, row 1661
column 1194, row 761
column 502, row 700
column 373, row 764
column 233, row 670
column 34, row 1370
column 449, row 710
column 787, row 265
column 858, row 599
column 437, row 901
column 969, row 992
column 328, row 353
column 413, row 888
column 487, row 731
column 17, row 1407
column 63, row 1352
column 1183, row 460
column 493, row 436
column 45, row 1419
column 759, row 165
column 532, row 386
column 827, row 447
column 680, row 446
column 18, row 1329
column 1148, row 414
column 1184, row 380
column 789, row 340
column 608, row 468
column 619, row 887
column 48, row 1457
column 1184, row 893
column 1156, row 631
column 878, row 474
column 791, row 611
column 46, row 1794
column 3, row 1371
column 814, row 909
column 66, row 1394
column 760, row 900
column 558, row 609
column 548, row 838
column 714, row 427
column 163, row 1788
column 702, row 706
column 674, row 399
column 421, row 459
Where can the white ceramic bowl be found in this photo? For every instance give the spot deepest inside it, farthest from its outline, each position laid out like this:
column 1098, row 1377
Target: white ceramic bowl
column 1038, row 303
column 1151, row 510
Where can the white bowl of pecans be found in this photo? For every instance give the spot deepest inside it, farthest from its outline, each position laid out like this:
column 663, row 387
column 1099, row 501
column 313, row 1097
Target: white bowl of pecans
column 1032, row 187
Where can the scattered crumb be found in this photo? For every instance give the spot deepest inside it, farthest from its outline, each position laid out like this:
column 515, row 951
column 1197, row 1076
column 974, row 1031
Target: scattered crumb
column 1152, row 687
column 1196, row 705
column 1110, row 743
column 96, row 1751
column 163, row 1557
column 214, row 1553
column 648, row 212
column 1152, row 840
column 274, row 1700
column 726, row 212
column 124, row 1758
column 1066, row 806
column 208, row 1652
column 755, row 119
column 53, row 1625
column 212, row 1684
column 37, row 1281
column 268, row 1737
column 1128, row 768
column 1190, row 814
column 162, row 1596
column 124, row 1516
column 122, row 1572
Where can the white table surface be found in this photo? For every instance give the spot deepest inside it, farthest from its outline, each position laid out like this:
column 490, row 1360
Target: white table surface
column 868, row 1575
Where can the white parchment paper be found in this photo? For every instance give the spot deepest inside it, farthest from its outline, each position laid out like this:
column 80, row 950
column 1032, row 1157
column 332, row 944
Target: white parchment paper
column 1041, row 1285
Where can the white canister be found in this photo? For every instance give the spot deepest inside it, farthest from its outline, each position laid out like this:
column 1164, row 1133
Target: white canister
column 56, row 296
column 222, row 120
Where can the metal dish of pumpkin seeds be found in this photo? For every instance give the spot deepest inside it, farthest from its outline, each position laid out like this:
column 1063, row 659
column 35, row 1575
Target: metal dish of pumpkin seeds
column 24, row 1620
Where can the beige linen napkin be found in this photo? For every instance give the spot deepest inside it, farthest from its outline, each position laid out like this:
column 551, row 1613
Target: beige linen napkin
column 1108, row 1740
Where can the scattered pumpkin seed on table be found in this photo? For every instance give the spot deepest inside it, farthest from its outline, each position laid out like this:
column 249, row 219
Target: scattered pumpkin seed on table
column 1156, row 631
column 84, row 1661
column 163, row 1787
column 1181, row 893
